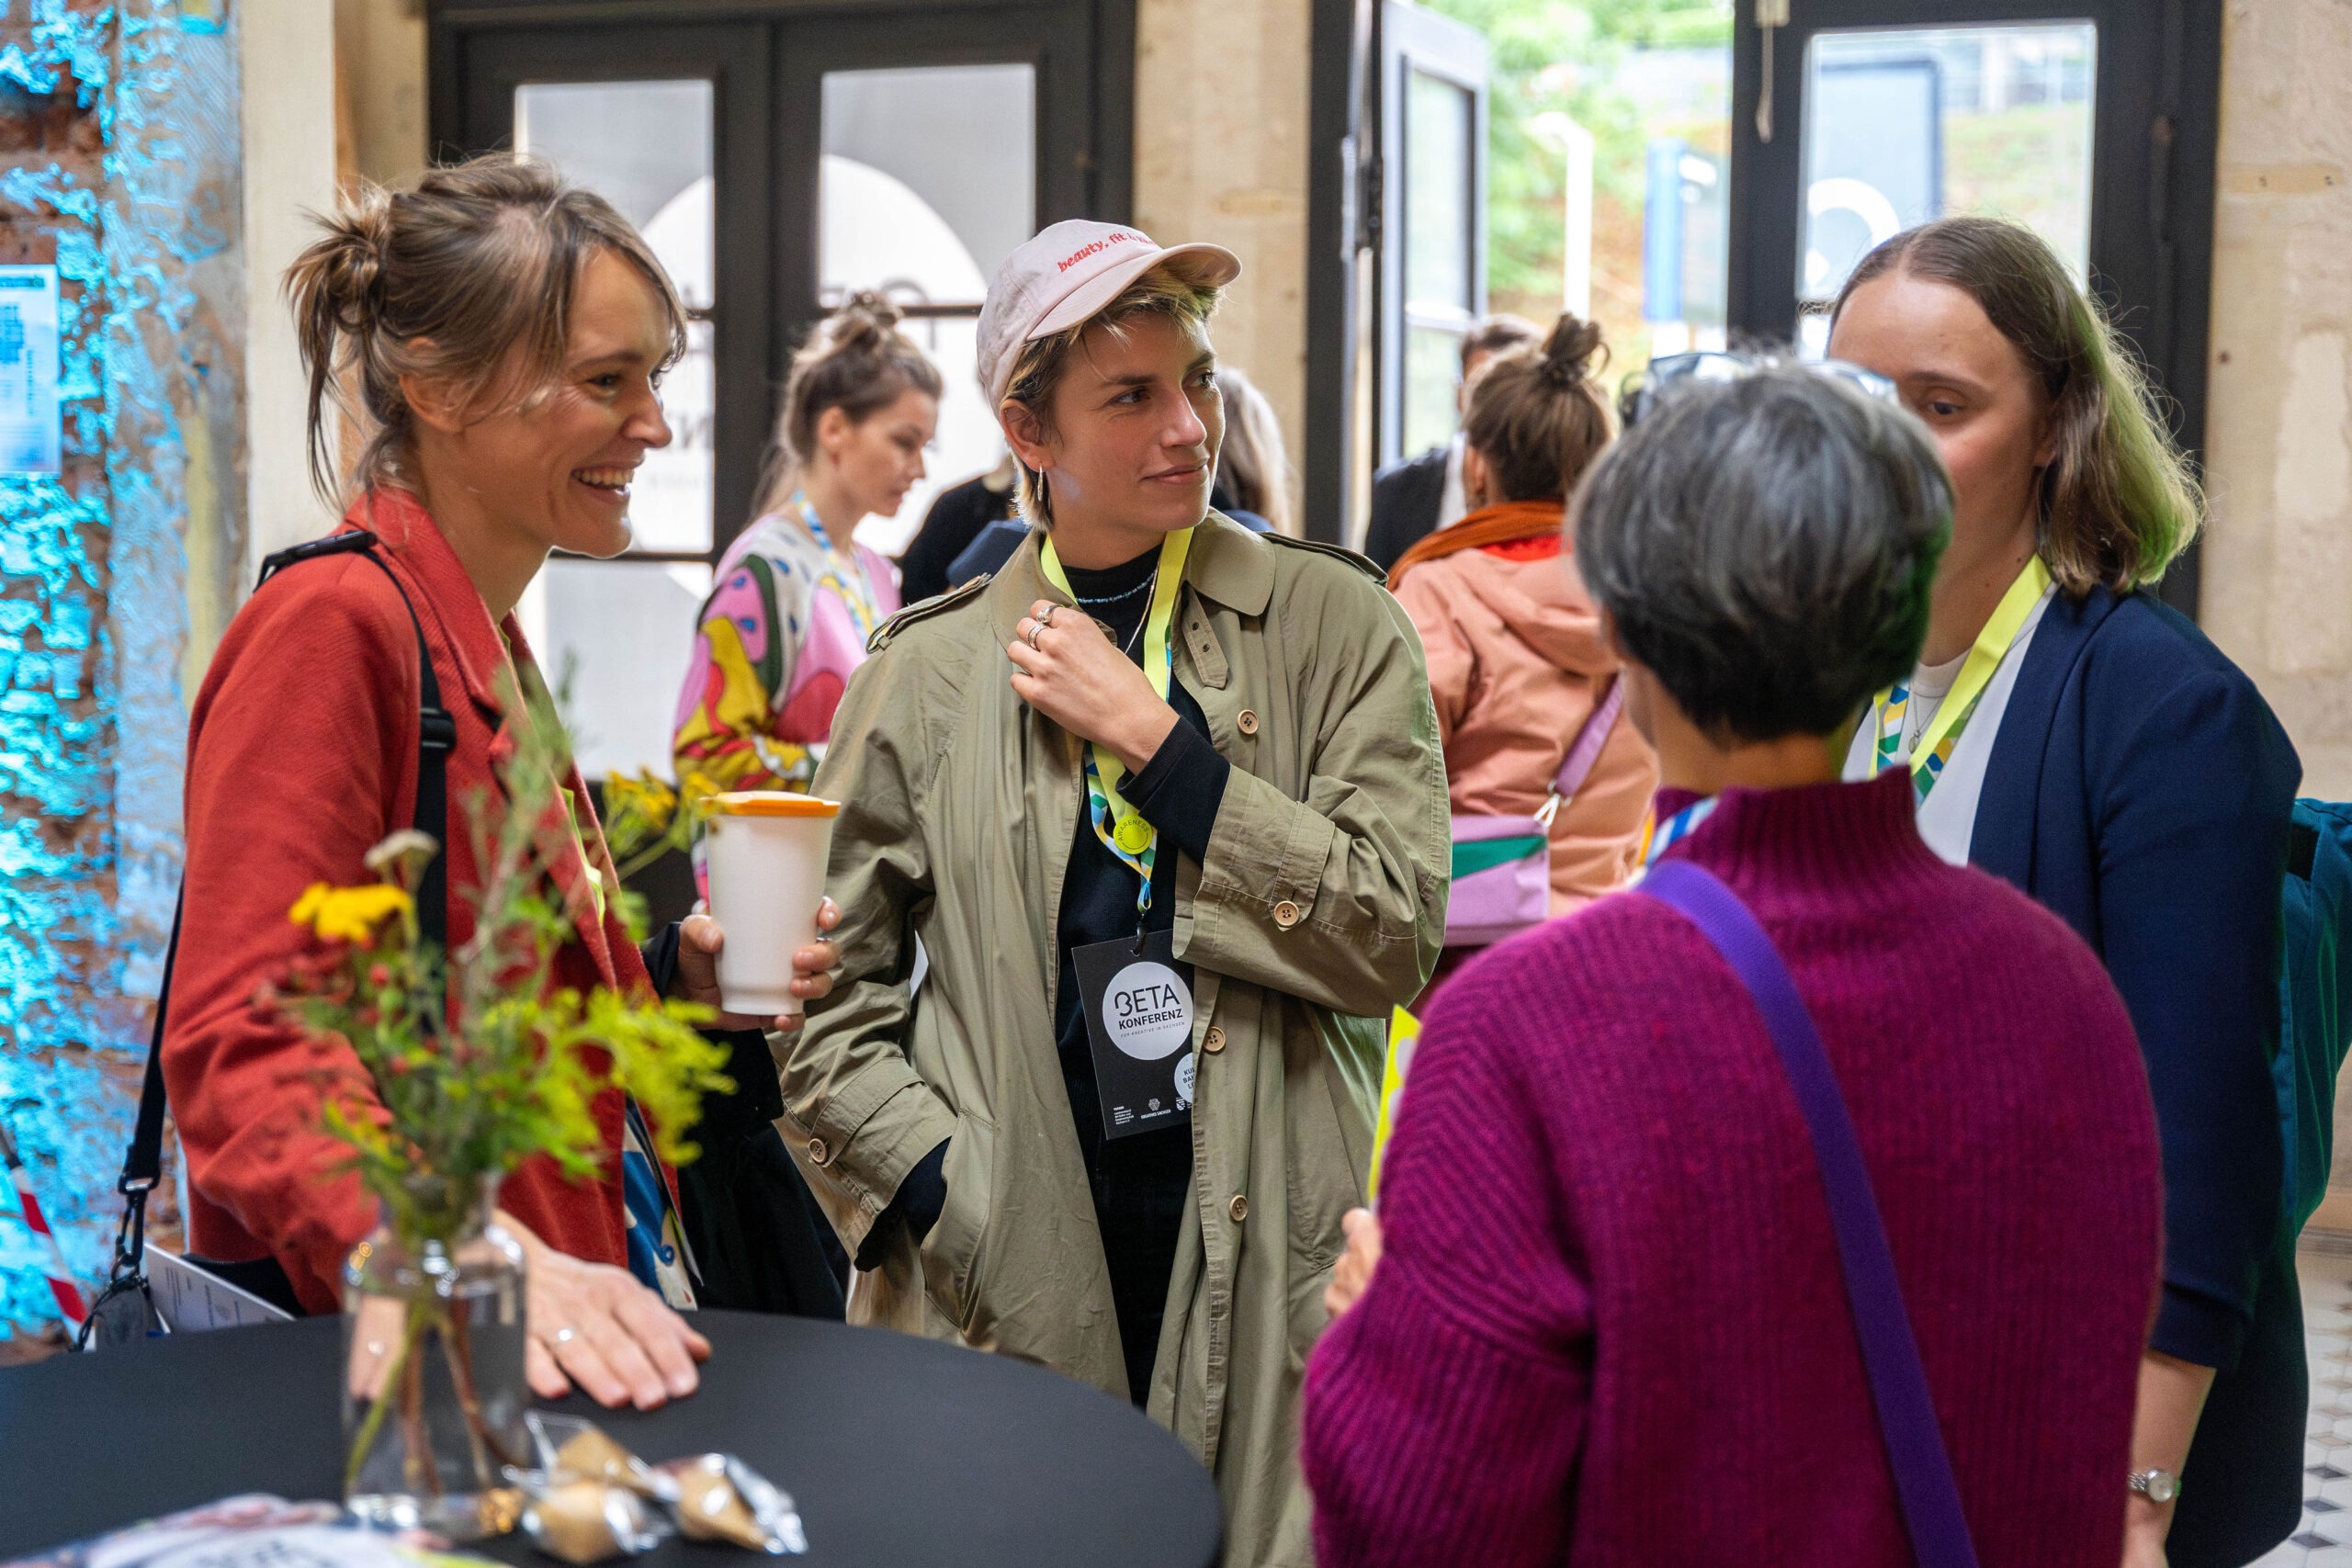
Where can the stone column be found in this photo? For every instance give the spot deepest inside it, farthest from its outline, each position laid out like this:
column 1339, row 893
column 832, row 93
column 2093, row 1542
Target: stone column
column 1221, row 96
column 118, row 162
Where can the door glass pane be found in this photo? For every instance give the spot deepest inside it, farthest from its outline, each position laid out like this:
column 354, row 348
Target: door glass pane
column 928, row 181
column 1439, row 115
column 1440, row 181
column 1903, row 125
column 645, row 147
column 625, row 629
column 1610, row 136
column 1433, row 364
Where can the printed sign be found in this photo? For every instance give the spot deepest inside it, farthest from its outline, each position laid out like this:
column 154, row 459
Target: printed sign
column 1138, row 1005
column 31, row 435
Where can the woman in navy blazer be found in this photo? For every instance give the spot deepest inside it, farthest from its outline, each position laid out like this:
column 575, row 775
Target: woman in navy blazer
column 2130, row 778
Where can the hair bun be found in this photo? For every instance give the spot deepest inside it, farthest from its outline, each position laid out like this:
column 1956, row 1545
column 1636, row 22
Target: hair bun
column 864, row 320
column 351, row 260
column 1567, row 351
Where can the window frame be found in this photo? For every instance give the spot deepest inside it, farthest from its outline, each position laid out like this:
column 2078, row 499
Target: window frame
column 1343, row 218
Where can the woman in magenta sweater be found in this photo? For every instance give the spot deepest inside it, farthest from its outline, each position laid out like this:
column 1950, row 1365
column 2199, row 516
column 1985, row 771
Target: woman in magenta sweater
column 1610, row 1325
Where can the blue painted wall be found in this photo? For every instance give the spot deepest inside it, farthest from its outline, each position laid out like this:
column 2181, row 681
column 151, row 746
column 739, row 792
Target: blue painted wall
column 130, row 188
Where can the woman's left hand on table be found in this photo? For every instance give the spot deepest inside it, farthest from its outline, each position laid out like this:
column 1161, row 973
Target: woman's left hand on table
column 595, row 1326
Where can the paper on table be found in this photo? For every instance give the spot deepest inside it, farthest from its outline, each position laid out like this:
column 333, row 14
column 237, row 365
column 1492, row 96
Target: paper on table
column 192, row 1301
column 254, row 1530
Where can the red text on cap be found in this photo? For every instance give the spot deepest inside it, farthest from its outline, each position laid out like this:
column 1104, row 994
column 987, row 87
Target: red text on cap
column 1119, row 237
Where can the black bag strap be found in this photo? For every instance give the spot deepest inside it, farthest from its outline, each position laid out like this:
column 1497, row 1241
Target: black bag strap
column 437, row 738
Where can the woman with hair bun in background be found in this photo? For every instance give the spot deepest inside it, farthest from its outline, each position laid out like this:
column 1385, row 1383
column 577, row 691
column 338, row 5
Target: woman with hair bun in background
column 1517, row 660
column 795, row 598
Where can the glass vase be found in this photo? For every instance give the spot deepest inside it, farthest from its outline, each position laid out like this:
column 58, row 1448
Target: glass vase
column 433, row 1392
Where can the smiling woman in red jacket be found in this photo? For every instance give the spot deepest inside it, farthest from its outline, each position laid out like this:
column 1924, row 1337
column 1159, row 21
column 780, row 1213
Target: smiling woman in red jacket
column 507, row 334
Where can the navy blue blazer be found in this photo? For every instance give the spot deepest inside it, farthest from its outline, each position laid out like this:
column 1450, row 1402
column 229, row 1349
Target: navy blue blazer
column 2139, row 788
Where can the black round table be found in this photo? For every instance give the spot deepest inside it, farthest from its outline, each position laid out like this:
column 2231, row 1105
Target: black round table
column 899, row 1451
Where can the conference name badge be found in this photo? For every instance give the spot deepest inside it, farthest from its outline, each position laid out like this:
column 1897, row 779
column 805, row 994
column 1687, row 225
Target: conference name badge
column 1138, row 1006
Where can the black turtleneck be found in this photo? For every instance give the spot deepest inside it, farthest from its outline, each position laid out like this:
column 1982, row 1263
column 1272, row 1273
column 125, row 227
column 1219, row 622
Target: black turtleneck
column 1138, row 1182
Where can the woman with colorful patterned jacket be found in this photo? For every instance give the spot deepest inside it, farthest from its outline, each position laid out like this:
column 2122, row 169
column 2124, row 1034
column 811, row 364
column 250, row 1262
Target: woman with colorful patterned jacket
column 795, row 599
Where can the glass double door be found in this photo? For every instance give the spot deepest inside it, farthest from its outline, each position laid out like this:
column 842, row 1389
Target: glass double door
column 777, row 168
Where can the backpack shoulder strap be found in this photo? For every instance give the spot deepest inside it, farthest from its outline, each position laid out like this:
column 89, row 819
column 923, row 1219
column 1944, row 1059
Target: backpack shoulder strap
column 1907, row 1410
column 437, row 738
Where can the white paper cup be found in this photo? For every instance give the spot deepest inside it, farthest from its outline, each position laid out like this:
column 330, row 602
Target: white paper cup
column 764, row 851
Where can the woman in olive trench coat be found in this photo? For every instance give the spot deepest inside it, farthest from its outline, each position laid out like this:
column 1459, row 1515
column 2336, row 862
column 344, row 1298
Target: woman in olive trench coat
column 1321, row 906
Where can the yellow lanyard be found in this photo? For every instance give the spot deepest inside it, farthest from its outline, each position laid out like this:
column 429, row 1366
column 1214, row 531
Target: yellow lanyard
column 1943, row 732
column 1120, row 826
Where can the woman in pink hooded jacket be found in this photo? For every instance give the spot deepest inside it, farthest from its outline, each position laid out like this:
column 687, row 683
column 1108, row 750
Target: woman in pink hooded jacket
column 1517, row 659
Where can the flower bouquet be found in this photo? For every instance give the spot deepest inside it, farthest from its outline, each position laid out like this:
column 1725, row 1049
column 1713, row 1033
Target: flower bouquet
column 645, row 818
column 474, row 1061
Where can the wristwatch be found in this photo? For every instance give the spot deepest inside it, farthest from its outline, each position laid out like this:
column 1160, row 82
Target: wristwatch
column 2158, row 1486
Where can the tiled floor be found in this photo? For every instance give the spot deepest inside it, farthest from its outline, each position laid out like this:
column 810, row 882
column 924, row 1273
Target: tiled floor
column 2325, row 1538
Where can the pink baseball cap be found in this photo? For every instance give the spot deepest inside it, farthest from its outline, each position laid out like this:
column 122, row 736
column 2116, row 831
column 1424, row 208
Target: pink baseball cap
column 1065, row 274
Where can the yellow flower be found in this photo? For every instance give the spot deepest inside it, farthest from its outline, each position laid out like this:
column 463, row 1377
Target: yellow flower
column 646, row 797
column 347, row 914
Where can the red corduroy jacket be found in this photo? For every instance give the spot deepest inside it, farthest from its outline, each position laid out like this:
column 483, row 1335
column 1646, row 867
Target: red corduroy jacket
column 303, row 755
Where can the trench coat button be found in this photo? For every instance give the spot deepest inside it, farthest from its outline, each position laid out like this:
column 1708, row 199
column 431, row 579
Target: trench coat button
column 1247, row 723
column 1286, row 914
column 816, row 1151
column 1214, row 1041
column 1239, row 1208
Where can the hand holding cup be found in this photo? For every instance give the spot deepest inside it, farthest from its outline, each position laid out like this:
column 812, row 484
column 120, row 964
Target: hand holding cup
column 702, row 939
column 765, row 852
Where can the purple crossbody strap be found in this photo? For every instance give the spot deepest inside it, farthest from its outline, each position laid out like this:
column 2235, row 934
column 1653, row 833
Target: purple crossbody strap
column 1584, row 750
column 1906, row 1413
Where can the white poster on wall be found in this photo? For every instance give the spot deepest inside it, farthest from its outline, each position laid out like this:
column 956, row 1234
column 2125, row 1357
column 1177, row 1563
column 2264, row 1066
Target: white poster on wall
column 31, row 438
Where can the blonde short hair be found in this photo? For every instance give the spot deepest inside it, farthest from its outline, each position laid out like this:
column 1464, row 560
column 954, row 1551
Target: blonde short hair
column 1252, row 465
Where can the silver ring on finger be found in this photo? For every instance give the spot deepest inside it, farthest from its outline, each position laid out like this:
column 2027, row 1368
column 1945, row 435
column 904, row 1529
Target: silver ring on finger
column 1046, row 616
column 1035, row 628
column 563, row 1336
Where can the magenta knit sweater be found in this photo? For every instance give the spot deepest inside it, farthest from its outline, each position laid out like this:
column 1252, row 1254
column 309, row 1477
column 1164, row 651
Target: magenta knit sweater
column 1609, row 1326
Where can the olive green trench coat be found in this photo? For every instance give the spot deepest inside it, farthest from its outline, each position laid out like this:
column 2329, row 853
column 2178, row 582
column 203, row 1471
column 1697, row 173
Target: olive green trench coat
column 1321, row 906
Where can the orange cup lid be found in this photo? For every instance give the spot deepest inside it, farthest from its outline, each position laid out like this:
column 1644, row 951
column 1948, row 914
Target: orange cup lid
column 770, row 803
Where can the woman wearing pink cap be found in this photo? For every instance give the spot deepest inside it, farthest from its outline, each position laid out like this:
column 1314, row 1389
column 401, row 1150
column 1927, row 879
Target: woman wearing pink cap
column 1166, row 795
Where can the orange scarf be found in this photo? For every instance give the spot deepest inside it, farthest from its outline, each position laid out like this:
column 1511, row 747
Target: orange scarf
column 1505, row 523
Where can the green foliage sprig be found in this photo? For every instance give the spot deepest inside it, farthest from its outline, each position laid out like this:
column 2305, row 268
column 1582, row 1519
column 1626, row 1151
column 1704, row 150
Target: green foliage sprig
column 456, row 1097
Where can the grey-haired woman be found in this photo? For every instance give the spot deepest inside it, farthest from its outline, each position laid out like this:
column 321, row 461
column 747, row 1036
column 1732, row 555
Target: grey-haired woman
column 1603, row 1254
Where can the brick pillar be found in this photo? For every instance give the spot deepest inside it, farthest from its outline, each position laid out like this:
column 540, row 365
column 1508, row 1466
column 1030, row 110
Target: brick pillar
column 118, row 162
